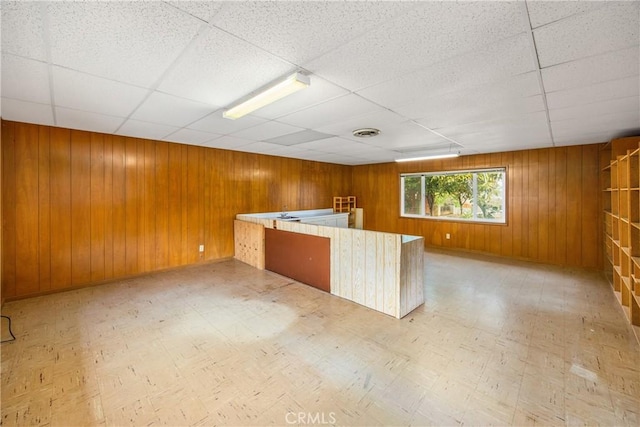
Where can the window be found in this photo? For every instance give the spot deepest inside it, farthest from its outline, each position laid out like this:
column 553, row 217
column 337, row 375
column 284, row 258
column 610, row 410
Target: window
column 473, row 195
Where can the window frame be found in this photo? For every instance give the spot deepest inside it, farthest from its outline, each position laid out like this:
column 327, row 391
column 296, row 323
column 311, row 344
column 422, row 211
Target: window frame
column 474, row 220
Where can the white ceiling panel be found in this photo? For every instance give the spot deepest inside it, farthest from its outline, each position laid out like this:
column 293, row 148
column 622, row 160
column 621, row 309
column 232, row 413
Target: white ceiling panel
column 328, row 112
column 509, row 91
column 23, row 28
column 171, row 110
column 203, row 10
column 215, row 123
column 588, row 138
column 190, row 136
column 228, row 143
column 405, row 136
column 379, row 119
column 434, row 75
column 478, row 109
column 139, row 129
column 301, row 31
column 545, row 12
column 81, row 91
column 613, row 106
column 299, row 137
column 504, row 59
column 220, row 69
column 318, row 91
column 415, row 40
column 612, row 89
column 267, row 130
column 595, row 69
column 25, row 79
column 83, row 120
column 611, row 28
column 613, row 123
column 28, row 112
column 264, row 148
column 133, row 42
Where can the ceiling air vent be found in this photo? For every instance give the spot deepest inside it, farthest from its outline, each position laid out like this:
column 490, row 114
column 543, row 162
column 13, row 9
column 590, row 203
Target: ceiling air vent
column 365, row 132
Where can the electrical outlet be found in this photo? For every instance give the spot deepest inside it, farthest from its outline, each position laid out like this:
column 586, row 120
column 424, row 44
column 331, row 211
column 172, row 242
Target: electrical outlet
column 201, row 248
column 448, row 236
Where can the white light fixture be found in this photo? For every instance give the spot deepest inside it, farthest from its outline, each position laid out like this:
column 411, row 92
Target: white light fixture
column 267, row 95
column 435, row 156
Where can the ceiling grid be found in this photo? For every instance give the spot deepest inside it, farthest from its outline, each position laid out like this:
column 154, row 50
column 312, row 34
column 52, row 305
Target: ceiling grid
column 477, row 77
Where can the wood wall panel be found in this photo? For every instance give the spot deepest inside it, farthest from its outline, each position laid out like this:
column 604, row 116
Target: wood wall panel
column 81, row 207
column 60, row 184
column 552, row 205
column 26, row 202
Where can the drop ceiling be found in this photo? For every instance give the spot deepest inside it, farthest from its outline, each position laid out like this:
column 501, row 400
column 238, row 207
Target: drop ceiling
column 475, row 77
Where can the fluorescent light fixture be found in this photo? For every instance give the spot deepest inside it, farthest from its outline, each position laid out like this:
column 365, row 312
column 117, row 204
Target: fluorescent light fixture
column 435, row 156
column 267, row 95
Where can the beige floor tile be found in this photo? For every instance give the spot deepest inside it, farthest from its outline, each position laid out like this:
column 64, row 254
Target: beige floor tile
column 498, row 342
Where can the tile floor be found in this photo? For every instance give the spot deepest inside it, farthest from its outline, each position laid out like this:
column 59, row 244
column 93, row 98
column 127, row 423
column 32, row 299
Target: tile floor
column 497, row 343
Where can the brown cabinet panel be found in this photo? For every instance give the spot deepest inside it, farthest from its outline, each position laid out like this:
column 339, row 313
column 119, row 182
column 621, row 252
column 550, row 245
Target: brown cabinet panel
column 302, row 257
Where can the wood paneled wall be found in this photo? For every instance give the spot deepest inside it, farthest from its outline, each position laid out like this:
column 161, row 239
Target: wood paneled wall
column 84, row 207
column 553, row 198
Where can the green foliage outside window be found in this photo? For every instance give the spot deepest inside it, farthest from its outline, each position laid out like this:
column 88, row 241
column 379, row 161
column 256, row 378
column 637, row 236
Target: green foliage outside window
column 467, row 195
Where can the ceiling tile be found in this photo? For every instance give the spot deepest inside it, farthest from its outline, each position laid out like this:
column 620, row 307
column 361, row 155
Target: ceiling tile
column 81, row 91
column 492, row 64
column 565, row 129
column 328, row 112
column 612, row 89
column 263, row 148
column 509, row 92
column 171, row 110
column 595, row 69
column 588, row 138
column 586, row 111
column 606, row 29
column 219, row 69
column 139, row 129
column 318, row 91
column 203, row 10
column 28, row 112
column 267, row 131
column 480, row 109
column 82, row 120
column 379, row 119
column 298, row 137
column 300, row 31
column 215, row 123
column 406, row 136
column 22, row 29
column 545, row 12
column 190, row 136
column 25, row 79
column 415, row 40
column 228, row 142
column 133, row 42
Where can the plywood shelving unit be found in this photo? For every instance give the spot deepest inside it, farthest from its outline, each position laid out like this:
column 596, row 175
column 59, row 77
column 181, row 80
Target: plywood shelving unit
column 345, row 204
column 621, row 204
